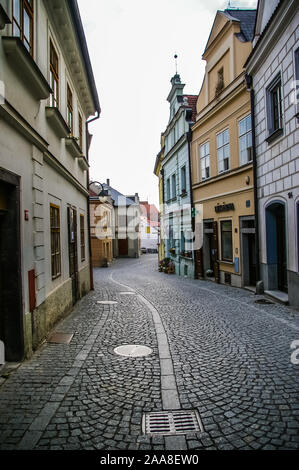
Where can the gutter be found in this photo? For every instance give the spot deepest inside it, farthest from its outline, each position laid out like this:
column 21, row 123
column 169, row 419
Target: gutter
column 249, row 86
column 88, row 201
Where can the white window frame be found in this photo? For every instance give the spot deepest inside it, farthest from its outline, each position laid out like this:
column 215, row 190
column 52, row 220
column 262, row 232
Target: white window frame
column 221, row 149
column 247, row 151
column 204, row 159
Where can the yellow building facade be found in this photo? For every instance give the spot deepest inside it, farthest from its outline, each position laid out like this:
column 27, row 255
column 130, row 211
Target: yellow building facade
column 221, row 155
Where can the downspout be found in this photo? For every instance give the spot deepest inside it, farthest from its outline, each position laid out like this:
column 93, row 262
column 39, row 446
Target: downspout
column 249, row 86
column 88, row 201
column 189, row 139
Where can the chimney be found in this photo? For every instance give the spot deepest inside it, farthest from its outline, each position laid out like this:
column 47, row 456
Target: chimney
column 108, row 182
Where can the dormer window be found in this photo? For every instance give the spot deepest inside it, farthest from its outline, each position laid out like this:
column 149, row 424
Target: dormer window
column 22, row 22
column 220, row 81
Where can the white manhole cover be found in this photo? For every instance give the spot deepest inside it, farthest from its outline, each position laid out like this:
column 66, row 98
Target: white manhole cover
column 106, row 302
column 133, row 350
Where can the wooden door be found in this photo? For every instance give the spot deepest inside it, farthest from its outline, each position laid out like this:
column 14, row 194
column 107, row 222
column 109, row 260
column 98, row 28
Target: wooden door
column 215, row 252
column 123, row 247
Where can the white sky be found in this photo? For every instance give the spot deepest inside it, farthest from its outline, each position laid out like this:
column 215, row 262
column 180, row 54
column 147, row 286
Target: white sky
column 131, row 44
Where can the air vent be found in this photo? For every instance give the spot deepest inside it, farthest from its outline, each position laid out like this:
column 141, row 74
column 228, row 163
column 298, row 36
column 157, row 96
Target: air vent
column 227, row 278
column 171, row 423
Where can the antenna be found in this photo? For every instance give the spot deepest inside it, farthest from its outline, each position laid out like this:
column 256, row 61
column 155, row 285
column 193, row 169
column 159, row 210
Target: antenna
column 176, row 63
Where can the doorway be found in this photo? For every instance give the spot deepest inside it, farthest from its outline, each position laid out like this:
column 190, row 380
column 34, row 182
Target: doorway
column 123, row 247
column 276, row 246
column 73, row 252
column 11, row 312
column 248, row 247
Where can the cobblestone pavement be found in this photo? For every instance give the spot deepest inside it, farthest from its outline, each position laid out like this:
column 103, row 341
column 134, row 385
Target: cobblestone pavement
column 226, row 356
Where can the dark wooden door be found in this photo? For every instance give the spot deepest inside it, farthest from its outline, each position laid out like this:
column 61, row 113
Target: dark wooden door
column 73, row 252
column 281, row 249
column 251, row 259
column 123, row 247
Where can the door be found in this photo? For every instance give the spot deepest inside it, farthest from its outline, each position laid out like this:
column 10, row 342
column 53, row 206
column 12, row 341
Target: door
column 277, row 246
column 123, row 247
column 11, row 305
column 251, row 259
column 73, row 252
column 282, row 279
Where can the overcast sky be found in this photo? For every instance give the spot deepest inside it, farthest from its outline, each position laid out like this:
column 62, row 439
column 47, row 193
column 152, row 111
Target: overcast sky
column 132, row 45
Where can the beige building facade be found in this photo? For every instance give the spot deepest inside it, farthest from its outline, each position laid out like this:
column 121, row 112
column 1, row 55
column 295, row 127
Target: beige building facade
column 221, row 154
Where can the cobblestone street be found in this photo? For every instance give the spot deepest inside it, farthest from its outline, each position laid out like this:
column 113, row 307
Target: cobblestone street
column 214, row 350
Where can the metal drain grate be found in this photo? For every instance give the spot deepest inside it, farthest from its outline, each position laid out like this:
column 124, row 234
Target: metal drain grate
column 61, row 338
column 171, row 423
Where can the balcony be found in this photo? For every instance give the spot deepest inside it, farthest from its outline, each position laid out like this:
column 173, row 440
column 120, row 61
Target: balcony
column 25, row 67
column 73, row 147
column 83, row 162
column 57, row 122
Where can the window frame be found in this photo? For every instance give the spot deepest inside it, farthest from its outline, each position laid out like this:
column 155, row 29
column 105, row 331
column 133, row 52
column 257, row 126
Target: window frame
column 28, row 7
column 204, row 158
column 227, row 144
column 54, row 100
column 273, row 130
column 246, row 133
column 183, row 179
column 55, row 242
column 173, row 186
column 70, row 109
column 227, row 260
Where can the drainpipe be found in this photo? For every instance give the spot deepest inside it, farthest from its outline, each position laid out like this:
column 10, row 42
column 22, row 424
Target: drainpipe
column 88, row 202
column 189, row 139
column 249, row 86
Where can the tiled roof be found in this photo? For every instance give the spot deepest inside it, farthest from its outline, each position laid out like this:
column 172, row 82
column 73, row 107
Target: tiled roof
column 192, row 100
column 247, row 21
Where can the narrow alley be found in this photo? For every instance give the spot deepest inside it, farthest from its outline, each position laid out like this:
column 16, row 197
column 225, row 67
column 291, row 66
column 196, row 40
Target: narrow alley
column 213, row 351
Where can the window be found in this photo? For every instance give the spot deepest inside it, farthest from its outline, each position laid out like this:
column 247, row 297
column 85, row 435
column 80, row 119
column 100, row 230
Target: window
column 297, row 81
column 55, row 241
column 54, row 77
column 168, row 189
column 274, row 108
column 183, row 179
column 226, row 241
column 82, row 237
column 220, row 81
column 205, row 161
column 22, row 22
column 245, row 140
column 182, row 241
column 173, row 180
column 69, row 111
column 80, row 131
column 223, row 151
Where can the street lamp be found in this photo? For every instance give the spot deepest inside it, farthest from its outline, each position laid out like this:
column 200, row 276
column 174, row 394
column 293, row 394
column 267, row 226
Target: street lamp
column 103, row 193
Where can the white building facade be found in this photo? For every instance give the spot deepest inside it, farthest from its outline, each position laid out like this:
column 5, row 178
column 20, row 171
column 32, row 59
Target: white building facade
column 274, row 68
column 176, row 229
column 49, row 94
